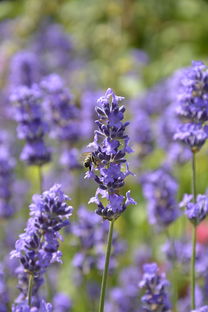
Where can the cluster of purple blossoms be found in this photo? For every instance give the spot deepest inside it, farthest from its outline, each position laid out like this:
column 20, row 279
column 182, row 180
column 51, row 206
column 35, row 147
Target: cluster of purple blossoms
column 166, row 125
column 196, row 212
column 160, row 189
column 7, row 164
column 177, row 251
column 154, row 102
column 38, row 246
column 125, row 297
column 24, row 307
column 62, row 303
column 24, row 69
column 92, row 234
column 63, row 116
column 141, row 133
column 87, row 104
column 31, row 126
column 192, row 106
column 54, row 47
column 110, row 147
column 154, row 284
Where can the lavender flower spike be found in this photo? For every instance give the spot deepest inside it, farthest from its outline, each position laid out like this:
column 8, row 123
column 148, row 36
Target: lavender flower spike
column 196, row 212
column 38, row 246
column 160, row 189
column 192, row 105
column 24, row 307
column 31, row 125
column 110, row 147
column 154, row 283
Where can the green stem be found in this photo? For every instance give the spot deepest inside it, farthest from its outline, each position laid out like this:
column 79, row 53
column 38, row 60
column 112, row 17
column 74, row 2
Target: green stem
column 173, row 273
column 193, row 258
column 105, row 273
column 194, row 176
column 29, row 292
column 193, row 268
column 40, row 179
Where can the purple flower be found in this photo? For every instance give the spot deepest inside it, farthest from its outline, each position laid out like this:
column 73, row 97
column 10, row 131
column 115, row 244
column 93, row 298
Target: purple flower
column 7, row 164
column 70, row 158
column 109, row 167
column 167, row 125
column 192, row 105
column 116, row 203
column 196, row 212
column 31, row 125
column 62, row 303
column 154, row 284
column 193, row 94
column 141, row 133
column 54, row 47
column 38, row 246
column 62, row 113
column 88, row 103
column 155, row 100
column 35, row 152
column 24, row 69
column 91, row 234
column 193, row 135
column 24, row 307
column 125, row 297
column 160, row 189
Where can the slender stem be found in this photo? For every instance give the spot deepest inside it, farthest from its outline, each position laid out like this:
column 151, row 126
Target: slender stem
column 105, row 273
column 173, row 273
column 193, row 268
column 40, row 179
column 29, row 292
column 193, row 258
column 194, row 176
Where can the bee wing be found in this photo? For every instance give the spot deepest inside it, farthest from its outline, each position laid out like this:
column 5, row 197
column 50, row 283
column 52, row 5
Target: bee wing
column 84, row 155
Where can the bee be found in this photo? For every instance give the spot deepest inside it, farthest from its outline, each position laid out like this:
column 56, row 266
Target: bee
column 90, row 159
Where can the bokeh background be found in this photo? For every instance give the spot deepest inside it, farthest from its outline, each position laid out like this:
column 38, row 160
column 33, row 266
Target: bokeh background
column 131, row 46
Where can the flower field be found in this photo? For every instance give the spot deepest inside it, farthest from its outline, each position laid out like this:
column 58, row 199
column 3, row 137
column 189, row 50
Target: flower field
column 103, row 156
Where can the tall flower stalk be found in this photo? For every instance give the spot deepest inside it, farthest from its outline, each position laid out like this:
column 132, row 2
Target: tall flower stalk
column 108, row 167
column 38, row 246
column 193, row 108
column 193, row 257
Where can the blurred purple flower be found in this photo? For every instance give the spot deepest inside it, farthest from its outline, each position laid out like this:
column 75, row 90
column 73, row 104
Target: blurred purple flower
column 62, row 303
column 141, row 133
column 7, row 164
column 91, row 234
column 154, row 284
column 54, row 46
column 160, row 189
column 88, row 104
column 31, row 125
column 24, row 69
